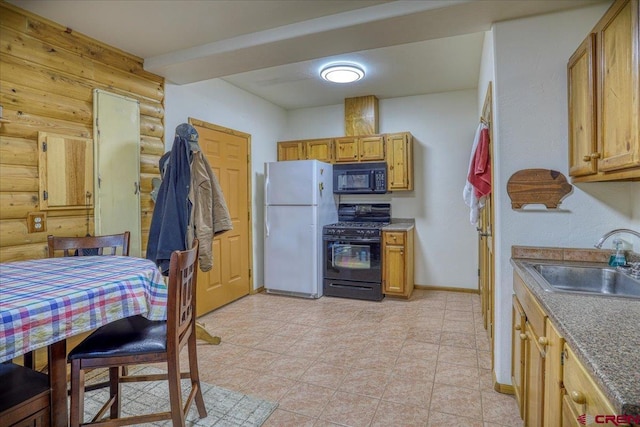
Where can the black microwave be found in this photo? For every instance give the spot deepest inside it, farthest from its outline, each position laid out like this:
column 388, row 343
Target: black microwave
column 360, row 178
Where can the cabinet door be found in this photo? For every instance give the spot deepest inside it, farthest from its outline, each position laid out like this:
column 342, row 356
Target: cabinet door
column 518, row 353
column 319, row 149
column 371, row 148
column 291, row 150
column 619, row 87
column 582, row 109
column 399, row 162
column 394, row 264
column 553, row 376
column 65, row 167
column 534, row 379
column 346, row 149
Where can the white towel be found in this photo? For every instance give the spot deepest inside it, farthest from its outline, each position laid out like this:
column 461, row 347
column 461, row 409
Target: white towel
column 469, row 194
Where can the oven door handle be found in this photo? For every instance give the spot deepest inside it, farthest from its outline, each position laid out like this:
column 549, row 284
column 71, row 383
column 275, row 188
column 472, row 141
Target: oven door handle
column 351, row 240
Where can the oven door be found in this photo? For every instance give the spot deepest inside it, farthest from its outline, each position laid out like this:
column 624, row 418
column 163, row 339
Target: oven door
column 352, row 259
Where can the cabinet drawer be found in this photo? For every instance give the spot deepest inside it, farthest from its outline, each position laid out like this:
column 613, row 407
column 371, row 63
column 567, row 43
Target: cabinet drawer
column 583, row 395
column 394, row 237
column 535, row 314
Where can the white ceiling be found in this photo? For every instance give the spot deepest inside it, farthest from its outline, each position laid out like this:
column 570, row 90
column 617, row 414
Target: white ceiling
column 275, row 48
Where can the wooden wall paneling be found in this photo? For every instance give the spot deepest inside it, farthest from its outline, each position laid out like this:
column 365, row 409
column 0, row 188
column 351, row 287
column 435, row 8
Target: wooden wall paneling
column 47, row 75
column 18, row 178
column 18, row 151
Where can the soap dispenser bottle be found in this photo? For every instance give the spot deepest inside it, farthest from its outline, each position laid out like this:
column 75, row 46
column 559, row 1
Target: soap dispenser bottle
column 618, row 257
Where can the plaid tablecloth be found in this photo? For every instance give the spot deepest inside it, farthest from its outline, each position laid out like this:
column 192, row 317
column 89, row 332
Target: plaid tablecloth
column 46, row 300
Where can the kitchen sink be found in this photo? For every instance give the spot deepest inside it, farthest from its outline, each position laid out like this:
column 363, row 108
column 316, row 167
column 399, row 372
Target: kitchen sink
column 587, row 280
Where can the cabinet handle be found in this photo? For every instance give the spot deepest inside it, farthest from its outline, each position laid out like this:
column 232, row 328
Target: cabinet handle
column 517, row 327
column 523, row 336
column 596, row 155
column 394, row 237
column 578, row 397
column 543, row 341
column 586, row 158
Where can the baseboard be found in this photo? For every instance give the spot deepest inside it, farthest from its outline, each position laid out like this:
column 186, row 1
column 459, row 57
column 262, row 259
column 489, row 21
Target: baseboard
column 256, row 291
column 502, row 388
column 446, row 288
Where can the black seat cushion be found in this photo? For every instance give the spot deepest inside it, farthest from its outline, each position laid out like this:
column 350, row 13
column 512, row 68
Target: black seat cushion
column 18, row 384
column 124, row 337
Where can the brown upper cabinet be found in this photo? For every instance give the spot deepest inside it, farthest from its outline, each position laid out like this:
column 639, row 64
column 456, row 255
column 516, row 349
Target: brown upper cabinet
column 399, row 161
column 396, row 149
column 353, row 149
column 65, row 168
column 313, row 149
column 604, row 99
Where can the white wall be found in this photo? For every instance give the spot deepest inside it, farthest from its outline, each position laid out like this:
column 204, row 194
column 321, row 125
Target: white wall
column 531, row 132
column 443, row 126
column 220, row 103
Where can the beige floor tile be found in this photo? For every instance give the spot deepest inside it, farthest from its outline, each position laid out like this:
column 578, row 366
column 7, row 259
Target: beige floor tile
column 439, row 419
column 460, row 326
column 350, row 409
column 484, row 359
column 324, row 374
column 458, row 356
column 423, row 335
column 394, row 414
column 456, row 339
column 486, row 379
column 289, row 366
column 500, row 409
column 281, row 418
column 420, row 350
column 255, row 360
column 276, row 343
column 229, row 376
column 369, row 382
column 458, row 315
column 408, row 391
column 457, row 375
column 306, row 399
column 268, row 387
column 456, row 401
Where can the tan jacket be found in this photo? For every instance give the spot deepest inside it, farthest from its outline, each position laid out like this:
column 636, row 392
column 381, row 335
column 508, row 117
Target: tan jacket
column 209, row 213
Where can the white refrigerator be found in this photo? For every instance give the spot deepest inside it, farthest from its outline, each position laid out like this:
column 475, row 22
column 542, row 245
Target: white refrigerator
column 299, row 200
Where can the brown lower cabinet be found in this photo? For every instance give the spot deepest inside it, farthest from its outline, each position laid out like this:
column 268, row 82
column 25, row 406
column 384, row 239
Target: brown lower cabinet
column 397, row 263
column 551, row 385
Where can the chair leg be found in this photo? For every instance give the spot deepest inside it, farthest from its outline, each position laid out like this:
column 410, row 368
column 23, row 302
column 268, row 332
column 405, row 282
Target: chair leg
column 77, row 394
column 175, row 391
column 195, row 375
column 114, row 390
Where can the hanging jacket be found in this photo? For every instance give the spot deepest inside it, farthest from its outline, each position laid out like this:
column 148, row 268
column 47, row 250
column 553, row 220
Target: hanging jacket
column 209, row 215
column 173, row 208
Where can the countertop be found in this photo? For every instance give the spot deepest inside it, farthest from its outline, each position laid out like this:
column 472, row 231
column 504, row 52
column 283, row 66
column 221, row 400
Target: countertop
column 604, row 332
column 400, row 224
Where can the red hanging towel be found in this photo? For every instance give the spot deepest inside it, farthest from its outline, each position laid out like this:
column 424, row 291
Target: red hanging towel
column 480, row 171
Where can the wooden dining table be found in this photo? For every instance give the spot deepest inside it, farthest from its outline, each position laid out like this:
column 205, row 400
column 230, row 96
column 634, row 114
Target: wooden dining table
column 43, row 302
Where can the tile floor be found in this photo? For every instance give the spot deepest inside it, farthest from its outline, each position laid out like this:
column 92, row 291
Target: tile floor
column 342, row 362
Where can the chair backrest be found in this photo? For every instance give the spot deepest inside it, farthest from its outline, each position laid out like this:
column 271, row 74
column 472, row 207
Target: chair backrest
column 90, row 245
column 181, row 301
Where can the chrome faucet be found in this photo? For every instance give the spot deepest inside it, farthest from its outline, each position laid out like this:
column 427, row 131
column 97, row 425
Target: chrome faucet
column 612, row 232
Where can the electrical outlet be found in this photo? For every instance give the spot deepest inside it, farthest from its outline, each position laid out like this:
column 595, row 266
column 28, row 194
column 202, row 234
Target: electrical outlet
column 37, row 222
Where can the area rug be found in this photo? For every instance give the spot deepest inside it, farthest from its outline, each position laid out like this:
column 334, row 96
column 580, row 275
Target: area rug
column 224, row 407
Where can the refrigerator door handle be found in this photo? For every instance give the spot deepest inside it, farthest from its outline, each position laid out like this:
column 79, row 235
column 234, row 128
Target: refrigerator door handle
column 266, row 208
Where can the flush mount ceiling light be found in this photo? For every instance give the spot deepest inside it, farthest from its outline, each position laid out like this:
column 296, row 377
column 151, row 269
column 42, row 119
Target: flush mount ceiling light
column 342, row 73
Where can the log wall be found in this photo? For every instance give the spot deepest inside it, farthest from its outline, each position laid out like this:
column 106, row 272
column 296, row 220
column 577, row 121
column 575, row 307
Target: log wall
column 47, row 75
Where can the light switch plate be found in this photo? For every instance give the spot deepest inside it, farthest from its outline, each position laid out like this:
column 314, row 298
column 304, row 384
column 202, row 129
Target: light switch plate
column 36, row 222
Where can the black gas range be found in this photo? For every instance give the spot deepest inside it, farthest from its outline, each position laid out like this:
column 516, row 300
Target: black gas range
column 352, row 251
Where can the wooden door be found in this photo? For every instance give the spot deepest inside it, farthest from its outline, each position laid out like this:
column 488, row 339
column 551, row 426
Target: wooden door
column 117, row 167
column 371, row 148
column 486, row 263
column 619, row 87
column 346, row 149
column 582, row 109
column 394, row 265
column 228, row 154
column 319, row 149
column 534, row 380
column 518, row 353
column 399, row 161
column 290, row 150
column 553, row 386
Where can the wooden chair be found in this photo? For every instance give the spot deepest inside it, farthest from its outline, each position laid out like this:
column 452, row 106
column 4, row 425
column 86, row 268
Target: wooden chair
column 24, row 396
column 113, row 244
column 136, row 340
column 90, row 245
